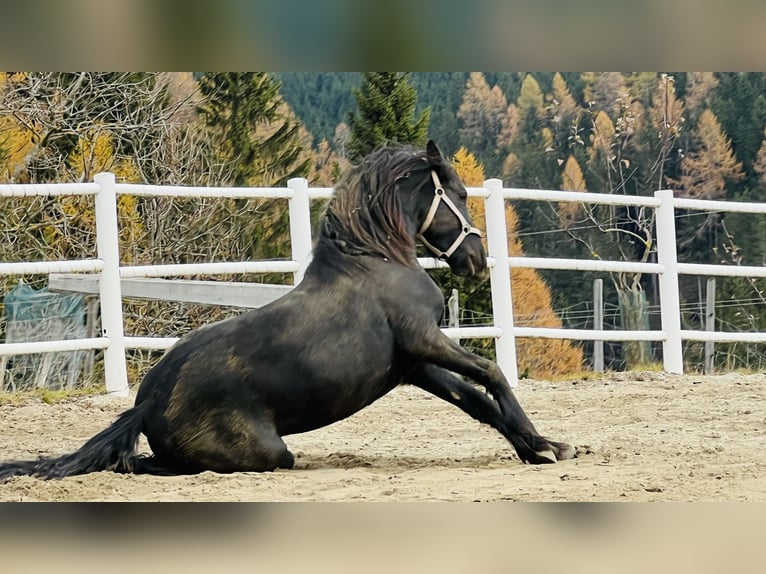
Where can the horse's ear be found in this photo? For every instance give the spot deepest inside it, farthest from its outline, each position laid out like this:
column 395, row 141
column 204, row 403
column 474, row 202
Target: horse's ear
column 433, row 152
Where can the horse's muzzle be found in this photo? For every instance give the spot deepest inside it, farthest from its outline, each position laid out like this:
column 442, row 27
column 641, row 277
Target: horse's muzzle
column 470, row 260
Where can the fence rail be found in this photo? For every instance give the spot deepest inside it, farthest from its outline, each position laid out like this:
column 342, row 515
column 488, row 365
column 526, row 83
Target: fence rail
column 298, row 195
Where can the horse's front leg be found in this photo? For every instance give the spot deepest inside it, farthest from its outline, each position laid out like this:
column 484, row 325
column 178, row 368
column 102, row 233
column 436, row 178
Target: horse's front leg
column 505, row 414
column 475, row 403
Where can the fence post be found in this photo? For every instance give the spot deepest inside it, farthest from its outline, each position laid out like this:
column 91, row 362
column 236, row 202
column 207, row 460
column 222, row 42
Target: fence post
column 710, row 325
column 300, row 225
column 670, row 314
column 598, row 324
column 500, row 280
column 110, row 291
column 453, row 312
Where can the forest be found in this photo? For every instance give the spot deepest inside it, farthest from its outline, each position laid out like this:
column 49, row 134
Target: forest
column 700, row 134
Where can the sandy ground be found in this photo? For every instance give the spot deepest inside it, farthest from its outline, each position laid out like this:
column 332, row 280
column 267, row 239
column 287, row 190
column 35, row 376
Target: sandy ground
column 640, row 437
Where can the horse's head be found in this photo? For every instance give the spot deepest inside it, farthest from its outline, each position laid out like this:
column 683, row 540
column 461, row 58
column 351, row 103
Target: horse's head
column 444, row 226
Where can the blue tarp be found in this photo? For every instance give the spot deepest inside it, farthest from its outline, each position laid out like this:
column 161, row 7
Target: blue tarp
column 24, row 303
column 40, row 315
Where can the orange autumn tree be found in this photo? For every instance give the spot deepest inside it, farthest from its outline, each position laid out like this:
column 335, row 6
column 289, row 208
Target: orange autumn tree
column 532, row 303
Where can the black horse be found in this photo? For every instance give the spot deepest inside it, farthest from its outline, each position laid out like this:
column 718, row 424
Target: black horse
column 364, row 319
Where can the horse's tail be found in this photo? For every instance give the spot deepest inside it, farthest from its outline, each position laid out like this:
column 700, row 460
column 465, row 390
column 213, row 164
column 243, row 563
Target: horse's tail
column 112, row 449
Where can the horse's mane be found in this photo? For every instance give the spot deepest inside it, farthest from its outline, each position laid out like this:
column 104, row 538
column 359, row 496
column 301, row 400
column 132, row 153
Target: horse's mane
column 364, row 215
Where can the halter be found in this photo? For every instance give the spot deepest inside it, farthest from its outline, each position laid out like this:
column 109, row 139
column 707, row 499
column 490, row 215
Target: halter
column 467, row 229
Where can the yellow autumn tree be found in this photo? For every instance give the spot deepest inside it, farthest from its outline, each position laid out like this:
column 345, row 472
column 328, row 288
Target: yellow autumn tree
column 65, row 224
column 706, row 170
column 563, row 105
column 532, row 302
column 530, row 96
column 16, row 141
column 572, row 179
column 95, row 153
column 600, row 153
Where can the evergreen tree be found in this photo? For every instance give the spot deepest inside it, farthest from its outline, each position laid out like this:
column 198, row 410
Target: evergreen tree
column 235, row 105
column 320, row 100
column 264, row 146
column 386, row 110
column 441, row 92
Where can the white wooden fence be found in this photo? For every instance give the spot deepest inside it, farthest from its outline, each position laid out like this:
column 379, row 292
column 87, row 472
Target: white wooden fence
column 111, row 274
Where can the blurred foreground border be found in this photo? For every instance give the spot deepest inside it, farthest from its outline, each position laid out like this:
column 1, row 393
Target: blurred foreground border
column 435, row 35
column 420, row 537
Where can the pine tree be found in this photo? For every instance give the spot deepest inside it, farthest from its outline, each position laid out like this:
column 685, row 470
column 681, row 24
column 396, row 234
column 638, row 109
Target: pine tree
column 321, row 100
column 441, row 92
column 235, row 106
column 386, row 114
column 265, row 146
column 471, row 113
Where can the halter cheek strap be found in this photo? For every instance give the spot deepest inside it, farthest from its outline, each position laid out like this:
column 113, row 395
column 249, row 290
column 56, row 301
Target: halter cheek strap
column 440, row 196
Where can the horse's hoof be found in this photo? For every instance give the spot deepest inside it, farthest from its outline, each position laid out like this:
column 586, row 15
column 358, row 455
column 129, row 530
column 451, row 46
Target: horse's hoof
column 564, row 451
column 545, row 456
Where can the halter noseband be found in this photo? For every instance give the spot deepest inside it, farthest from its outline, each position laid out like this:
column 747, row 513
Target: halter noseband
column 467, row 229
